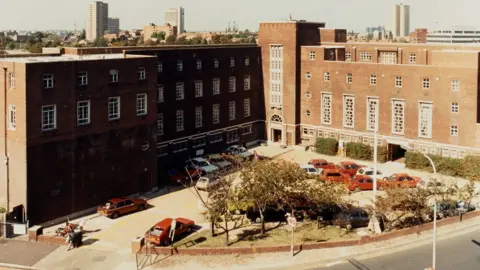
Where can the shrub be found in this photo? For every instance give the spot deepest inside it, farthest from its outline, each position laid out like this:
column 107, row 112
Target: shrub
column 3, row 210
column 468, row 167
column 381, row 154
column 471, row 167
column 327, row 146
column 365, row 152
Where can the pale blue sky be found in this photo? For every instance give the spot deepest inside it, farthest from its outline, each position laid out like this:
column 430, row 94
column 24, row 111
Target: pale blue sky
column 215, row 14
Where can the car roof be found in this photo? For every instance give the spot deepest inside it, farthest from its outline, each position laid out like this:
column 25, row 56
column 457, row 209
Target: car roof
column 116, row 200
column 306, row 166
column 319, row 160
column 234, row 146
column 400, row 174
column 347, row 162
column 360, row 176
column 331, row 170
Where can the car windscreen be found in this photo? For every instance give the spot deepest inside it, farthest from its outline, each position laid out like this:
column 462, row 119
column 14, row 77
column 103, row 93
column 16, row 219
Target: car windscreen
column 203, row 180
column 156, row 231
column 334, row 174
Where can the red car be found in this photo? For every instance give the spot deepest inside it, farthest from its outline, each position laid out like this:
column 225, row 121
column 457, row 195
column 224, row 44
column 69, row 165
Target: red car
column 349, row 167
column 121, row 206
column 334, row 175
column 361, row 182
column 321, row 164
column 159, row 233
column 399, row 180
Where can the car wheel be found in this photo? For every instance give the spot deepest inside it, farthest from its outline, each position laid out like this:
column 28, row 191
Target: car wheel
column 115, row 215
column 349, row 227
column 258, row 220
column 357, row 189
column 141, row 207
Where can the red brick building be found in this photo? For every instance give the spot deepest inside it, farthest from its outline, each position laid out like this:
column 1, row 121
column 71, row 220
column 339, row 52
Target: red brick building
column 419, row 35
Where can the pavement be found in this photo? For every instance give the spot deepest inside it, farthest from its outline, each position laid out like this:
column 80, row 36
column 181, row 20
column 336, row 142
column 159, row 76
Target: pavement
column 14, row 252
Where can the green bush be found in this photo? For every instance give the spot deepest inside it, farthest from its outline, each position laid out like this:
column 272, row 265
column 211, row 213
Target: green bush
column 381, row 154
column 471, row 167
column 326, row 146
column 3, row 210
column 365, row 152
column 468, row 167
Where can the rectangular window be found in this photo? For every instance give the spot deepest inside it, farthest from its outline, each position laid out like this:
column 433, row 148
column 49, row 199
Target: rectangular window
column 160, row 90
column 162, row 150
column 12, row 80
column 113, row 75
column 180, row 146
column 348, row 111
column 216, row 86
column 83, row 112
column 326, row 76
column 365, row 56
column 49, row 117
column 179, row 65
column 113, row 108
column 455, row 85
column 412, row 58
column 199, row 142
column 12, row 117
column 454, row 107
column 160, row 124
column 198, row 88
column 82, row 78
column 232, row 62
column 216, row 113
column 198, row 117
column 246, row 107
column 141, row 73
column 311, row 55
column 142, row 104
column 454, row 130
column 231, row 110
column 216, row 138
column 160, row 67
column 398, row 113
column 216, row 63
column 246, row 130
column 326, row 109
column 373, row 79
column 388, row 58
column 247, row 61
column 349, row 78
column 398, row 82
column 179, row 91
column 246, row 82
column 372, row 113
column 179, row 120
column 348, row 56
column 425, row 83
column 276, row 75
column 232, row 136
column 231, row 84
column 199, row 64
column 47, row 81
column 425, row 120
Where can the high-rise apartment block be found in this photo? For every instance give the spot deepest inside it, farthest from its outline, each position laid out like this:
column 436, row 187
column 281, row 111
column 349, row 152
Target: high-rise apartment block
column 401, row 21
column 97, row 22
column 113, row 26
column 176, row 17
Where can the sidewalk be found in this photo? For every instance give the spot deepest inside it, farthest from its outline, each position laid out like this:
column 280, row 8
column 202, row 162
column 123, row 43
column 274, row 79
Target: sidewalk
column 23, row 253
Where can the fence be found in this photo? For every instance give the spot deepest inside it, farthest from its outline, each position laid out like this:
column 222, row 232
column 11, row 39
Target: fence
column 12, row 229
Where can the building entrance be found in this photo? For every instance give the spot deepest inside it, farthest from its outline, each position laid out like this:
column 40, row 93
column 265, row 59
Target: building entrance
column 276, row 135
column 395, row 152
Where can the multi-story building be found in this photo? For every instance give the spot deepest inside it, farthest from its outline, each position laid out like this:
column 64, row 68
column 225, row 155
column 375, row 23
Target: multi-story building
column 400, row 20
column 97, row 21
column 150, row 29
column 457, row 34
column 113, row 26
column 176, row 17
column 419, row 35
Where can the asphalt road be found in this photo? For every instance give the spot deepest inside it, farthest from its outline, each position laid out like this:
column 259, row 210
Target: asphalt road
column 459, row 253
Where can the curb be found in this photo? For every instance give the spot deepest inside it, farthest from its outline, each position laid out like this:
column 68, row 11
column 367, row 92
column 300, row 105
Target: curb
column 17, row 266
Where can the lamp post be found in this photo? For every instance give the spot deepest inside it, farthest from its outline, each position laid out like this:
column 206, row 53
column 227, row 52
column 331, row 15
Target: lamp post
column 375, row 149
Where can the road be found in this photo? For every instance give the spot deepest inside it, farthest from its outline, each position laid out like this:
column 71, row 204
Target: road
column 462, row 252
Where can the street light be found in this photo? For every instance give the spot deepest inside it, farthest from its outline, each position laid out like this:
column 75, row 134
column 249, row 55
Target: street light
column 434, row 252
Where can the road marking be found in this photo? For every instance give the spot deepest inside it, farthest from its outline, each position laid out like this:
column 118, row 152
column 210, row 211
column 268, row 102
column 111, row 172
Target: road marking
column 334, row 263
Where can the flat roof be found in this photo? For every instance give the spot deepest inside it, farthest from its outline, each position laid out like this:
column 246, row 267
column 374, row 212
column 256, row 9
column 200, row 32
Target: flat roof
column 399, row 44
column 292, row 21
column 457, row 51
column 71, row 58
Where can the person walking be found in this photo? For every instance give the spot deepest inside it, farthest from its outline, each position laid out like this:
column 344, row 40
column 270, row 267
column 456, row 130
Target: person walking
column 70, row 238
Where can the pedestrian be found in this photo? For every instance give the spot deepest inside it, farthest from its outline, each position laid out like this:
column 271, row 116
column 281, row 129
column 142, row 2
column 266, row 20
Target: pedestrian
column 70, row 239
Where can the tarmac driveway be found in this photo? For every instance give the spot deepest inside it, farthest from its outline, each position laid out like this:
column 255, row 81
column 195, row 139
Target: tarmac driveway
column 23, row 252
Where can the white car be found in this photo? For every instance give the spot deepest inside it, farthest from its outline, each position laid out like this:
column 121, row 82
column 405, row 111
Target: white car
column 369, row 172
column 310, row 169
column 205, row 183
column 238, row 150
column 219, row 161
column 203, row 165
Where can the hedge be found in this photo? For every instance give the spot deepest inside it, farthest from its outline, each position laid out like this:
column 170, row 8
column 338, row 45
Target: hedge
column 365, row 152
column 468, row 167
column 326, row 146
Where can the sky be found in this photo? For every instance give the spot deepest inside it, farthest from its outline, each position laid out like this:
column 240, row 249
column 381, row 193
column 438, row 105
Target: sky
column 204, row 15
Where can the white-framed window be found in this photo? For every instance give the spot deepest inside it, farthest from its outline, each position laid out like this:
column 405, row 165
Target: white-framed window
column 348, row 56
column 160, row 91
column 425, row 83
column 425, row 113
column 412, row 58
column 247, row 61
column 454, row 107
column 180, row 146
column 398, row 82
column 246, row 107
column 348, row 111
column 365, row 56
column 308, row 75
column 198, row 88
column 231, row 110
column 216, row 113
column 398, row 117
column 12, row 117
column 83, row 112
column 232, row 136
column 142, row 104
column 373, row 79
column 49, row 117
column 199, row 142
column 216, row 86
column 246, row 130
column 232, row 62
column 179, row 120
column 454, row 130
column 198, row 117
column 276, row 75
column 47, row 81
column 445, row 153
column 113, row 108
column 349, row 78
column 198, row 64
column 388, row 58
column 246, row 82
column 160, row 124
column 141, row 73
column 12, row 80
column 159, row 67
column 179, row 65
column 82, row 78
column 326, row 109
column 216, row 138
column 326, row 76
column 113, row 75
column 372, row 113
column 453, row 153
column 216, row 63
column 179, row 91
column 232, row 81
column 311, row 55
column 455, row 85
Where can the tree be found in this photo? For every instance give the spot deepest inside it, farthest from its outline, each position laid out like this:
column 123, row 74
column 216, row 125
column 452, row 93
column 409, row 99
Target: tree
column 170, row 39
column 196, row 40
column 11, row 46
column 182, row 41
column 225, row 40
column 149, row 42
column 100, row 42
column 253, row 40
column 216, row 39
column 161, row 35
column 204, row 41
column 83, row 35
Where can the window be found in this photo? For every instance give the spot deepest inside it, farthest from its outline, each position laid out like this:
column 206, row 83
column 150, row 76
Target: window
column 160, row 67
column 179, row 65
column 180, row 146
column 179, row 91
column 232, row 136
column 160, row 124
column 311, row 55
column 141, row 73
column 198, row 117
column 247, row 61
column 48, row 81
column 216, row 86
column 49, row 117
column 216, row 63
column 216, row 113
column 162, row 150
column 412, row 58
column 83, row 112
column 179, row 120
column 199, row 64
column 160, row 90
column 326, row 108
column 198, row 88
column 454, row 107
column 372, row 113
column 425, row 120
column 365, row 56
column 141, row 104
column 308, row 113
column 216, row 138
column 348, row 111
column 454, row 130
column 12, row 117
column 231, row 110
column 246, row 107
column 246, row 82
column 246, row 130
column 348, row 56
column 455, row 85
column 231, row 84
column 113, row 75
column 308, row 75
column 398, row 82
column 425, row 83
column 308, row 95
column 113, row 108
column 232, row 62
column 373, row 79
column 82, row 78
column 398, row 112
column 388, row 57
column 276, row 75
column 199, row 142
column 349, row 78
column 12, row 80
column 326, row 76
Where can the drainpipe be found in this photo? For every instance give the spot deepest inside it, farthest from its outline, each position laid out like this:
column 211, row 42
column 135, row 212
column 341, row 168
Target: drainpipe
column 5, row 136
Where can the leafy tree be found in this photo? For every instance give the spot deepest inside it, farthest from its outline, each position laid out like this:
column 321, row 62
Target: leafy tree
column 170, row 39
column 225, row 40
column 83, row 35
column 149, row 42
column 204, row 41
column 161, row 35
column 34, row 48
column 252, row 40
column 216, row 39
column 196, row 40
column 154, row 35
column 11, row 45
column 133, row 42
column 182, row 41
column 100, row 42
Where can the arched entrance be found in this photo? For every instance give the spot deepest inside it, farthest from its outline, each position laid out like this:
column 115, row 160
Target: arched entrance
column 276, row 130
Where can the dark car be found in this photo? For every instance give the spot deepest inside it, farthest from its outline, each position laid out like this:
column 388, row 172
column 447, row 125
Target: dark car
column 451, row 208
column 324, row 212
column 272, row 214
column 352, row 218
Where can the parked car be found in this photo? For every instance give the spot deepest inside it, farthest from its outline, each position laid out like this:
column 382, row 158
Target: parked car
column 272, row 214
column 203, row 165
column 239, row 208
column 352, row 218
column 206, row 183
column 311, row 170
column 322, row 164
column 219, row 161
column 399, row 180
column 176, row 176
column 325, row 212
column 159, row 233
column 452, row 208
column 360, row 182
column 239, row 151
column 349, row 167
column 334, row 175
column 120, row 206
column 191, row 170
column 425, row 184
column 369, row 172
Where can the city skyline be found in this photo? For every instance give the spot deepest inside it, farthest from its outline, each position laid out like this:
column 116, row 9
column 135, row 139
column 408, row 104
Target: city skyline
column 440, row 13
